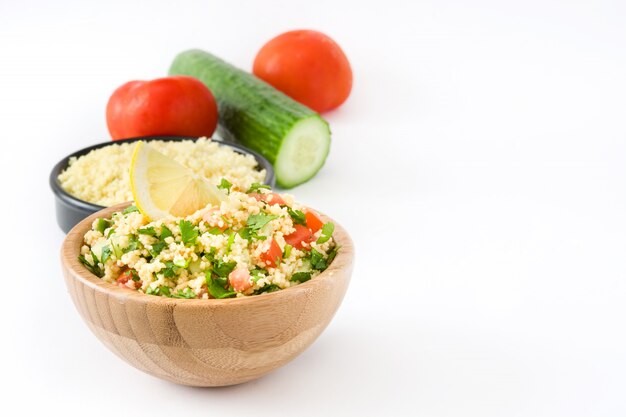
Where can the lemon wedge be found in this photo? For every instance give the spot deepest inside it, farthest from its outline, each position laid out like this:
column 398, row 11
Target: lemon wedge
column 162, row 186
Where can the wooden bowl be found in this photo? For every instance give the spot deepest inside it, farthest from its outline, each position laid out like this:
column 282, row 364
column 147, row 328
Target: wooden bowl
column 205, row 343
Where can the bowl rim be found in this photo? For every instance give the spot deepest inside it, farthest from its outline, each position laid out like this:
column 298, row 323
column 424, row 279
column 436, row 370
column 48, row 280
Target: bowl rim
column 62, row 194
column 73, row 242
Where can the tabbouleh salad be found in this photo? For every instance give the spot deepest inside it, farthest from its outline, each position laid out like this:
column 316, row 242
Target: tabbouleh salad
column 256, row 242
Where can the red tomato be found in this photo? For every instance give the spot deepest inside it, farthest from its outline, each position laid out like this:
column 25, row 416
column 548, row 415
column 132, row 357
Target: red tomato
column 240, row 279
column 299, row 237
column 166, row 106
column 270, row 198
column 313, row 221
column 124, row 277
column 308, row 66
column 273, row 255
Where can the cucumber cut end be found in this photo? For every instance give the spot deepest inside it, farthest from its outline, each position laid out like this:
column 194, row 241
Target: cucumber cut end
column 303, row 152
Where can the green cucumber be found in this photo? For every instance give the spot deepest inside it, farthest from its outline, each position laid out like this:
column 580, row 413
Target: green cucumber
column 294, row 138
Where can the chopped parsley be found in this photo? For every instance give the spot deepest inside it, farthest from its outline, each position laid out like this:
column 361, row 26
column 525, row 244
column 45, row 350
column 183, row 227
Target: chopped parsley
column 215, row 231
column 130, row 209
column 317, row 260
column 102, row 225
column 222, row 269
column 301, row 276
column 106, row 254
column 267, row 288
column 133, row 244
column 256, row 187
column 165, row 232
column 297, row 216
column 185, row 293
column 170, row 269
column 216, row 288
column 225, row 185
column 255, row 223
column 188, row 232
column 147, row 231
column 157, row 248
column 92, row 265
column 287, row 251
column 327, row 232
column 160, row 290
column 258, row 273
column 231, row 240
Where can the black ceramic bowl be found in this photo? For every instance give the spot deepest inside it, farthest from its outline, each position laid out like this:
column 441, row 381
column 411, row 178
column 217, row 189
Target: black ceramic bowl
column 71, row 210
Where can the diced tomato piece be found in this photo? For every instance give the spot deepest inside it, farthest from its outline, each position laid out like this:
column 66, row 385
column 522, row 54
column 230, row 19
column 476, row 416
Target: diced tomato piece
column 313, row 221
column 240, row 279
column 269, row 198
column 273, row 255
column 299, row 237
column 126, row 276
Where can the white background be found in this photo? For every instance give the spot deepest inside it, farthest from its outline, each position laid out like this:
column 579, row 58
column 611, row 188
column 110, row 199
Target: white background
column 479, row 165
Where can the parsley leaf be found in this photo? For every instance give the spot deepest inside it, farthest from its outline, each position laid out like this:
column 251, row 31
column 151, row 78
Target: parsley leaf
column 130, row 209
column 160, row 290
column 165, row 232
column 186, row 293
column 215, row 231
column 188, row 232
column 256, row 187
column 92, row 266
column 301, row 276
column 332, row 254
column 297, row 216
column 133, row 244
column 258, row 273
column 170, row 269
column 317, row 260
column 222, row 269
column 217, row 290
column 327, row 232
column 287, row 251
column 157, row 248
column 255, row 223
column 267, row 288
column 106, row 254
column 231, row 240
column 147, row 231
column 102, row 225
column 225, row 185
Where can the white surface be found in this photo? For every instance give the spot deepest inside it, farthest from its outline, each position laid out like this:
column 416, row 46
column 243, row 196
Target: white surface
column 479, row 165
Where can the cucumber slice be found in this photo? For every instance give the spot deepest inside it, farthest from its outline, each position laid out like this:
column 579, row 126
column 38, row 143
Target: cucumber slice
column 294, row 138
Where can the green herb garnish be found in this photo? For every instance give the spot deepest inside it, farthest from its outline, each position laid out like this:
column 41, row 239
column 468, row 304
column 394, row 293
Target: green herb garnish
column 102, row 225
column 317, row 260
column 215, row 231
column 160, row 290
column 231, row 240
column 301, row 276
column 222, row 269
column 225, row 185
column 147, row 231
column 157, row 248
column 170, row 269
column 105, row 255
column 267, row 288
column 92, row 265
column 188, row 232
column 258, row 273
column 287, row 251
column 185, row 293
column 133, row 244
column 256, row 187
column 165, row 232
column 130, row 209
column 327, row 232
column 297, row 216
column 216, row 289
